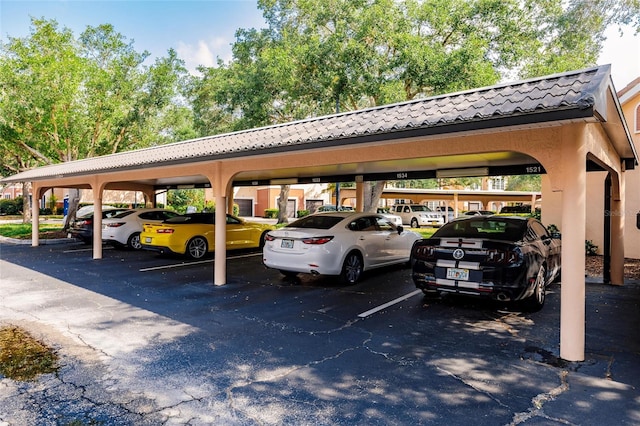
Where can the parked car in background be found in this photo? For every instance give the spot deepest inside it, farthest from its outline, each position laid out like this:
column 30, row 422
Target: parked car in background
column 507, row 258
column 332, row 208
column 84, row 210
column 82, row 227
column 194, row 234
column 519, row 208
column 417, row 215
column 340, row 243
column 123, row 229
column 446, row 212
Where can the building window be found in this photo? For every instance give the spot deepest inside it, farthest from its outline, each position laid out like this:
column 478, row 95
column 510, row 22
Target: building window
column 637, row 120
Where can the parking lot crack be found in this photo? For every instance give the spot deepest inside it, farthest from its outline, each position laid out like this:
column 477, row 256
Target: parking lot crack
column 472, row 386
column 538, row 402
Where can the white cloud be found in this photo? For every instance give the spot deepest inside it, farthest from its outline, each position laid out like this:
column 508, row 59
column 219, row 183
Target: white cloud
column 204, row 53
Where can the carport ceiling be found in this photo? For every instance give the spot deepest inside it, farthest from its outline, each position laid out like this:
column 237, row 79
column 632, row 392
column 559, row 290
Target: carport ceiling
column 497, row 163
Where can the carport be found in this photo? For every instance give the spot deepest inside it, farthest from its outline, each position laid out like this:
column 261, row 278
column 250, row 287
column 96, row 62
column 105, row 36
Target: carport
column 563, row 125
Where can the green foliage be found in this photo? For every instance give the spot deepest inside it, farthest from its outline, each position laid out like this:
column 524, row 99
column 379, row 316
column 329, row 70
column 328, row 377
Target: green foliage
column 180, row 199
column 553, row 229
column 302, row 213
column 531, row 183
column 271, row 213
column 590, row 248
column 11, row 207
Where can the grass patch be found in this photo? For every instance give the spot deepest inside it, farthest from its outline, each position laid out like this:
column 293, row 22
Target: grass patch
column 23, row 230
column 22, row 357
column 425, row 232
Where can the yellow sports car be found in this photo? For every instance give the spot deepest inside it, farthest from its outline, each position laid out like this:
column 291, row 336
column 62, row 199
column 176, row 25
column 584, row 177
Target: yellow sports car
column 193, row 234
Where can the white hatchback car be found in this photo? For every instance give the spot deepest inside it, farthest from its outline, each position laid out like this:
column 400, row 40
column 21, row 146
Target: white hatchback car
column 124, row 228
column 339, row 243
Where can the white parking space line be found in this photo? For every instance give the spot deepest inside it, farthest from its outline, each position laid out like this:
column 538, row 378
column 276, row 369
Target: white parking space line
column 179, row 265
column 174, row 265
column 386, row 305
column 87, row 249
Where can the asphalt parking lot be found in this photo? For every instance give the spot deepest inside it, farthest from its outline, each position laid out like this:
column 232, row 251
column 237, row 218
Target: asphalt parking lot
column 146, row 340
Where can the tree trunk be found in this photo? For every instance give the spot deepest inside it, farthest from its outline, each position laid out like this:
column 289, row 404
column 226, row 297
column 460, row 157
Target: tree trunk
column 74, row 200
column 283, row 202
column 372, row 193
column 26, row 202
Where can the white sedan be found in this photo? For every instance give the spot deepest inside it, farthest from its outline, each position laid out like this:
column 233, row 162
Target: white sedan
column 124, row 228
column 339, row 243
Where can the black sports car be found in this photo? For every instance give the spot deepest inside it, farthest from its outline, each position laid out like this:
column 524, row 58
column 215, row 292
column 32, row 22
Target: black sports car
column 507, row 258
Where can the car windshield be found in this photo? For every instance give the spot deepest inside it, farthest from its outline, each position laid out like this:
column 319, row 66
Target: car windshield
column 421, row 208
column 323, row 221
column 493, row 228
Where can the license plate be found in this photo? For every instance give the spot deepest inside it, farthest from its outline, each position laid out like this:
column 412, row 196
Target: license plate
column 287, row 244
column 147, row 239
column 458, row 274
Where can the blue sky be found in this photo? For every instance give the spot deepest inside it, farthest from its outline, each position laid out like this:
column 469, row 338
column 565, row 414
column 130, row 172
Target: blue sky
column 203, row 30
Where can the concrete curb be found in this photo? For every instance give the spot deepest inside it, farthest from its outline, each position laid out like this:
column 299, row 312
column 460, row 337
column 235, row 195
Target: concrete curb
column 43, row 242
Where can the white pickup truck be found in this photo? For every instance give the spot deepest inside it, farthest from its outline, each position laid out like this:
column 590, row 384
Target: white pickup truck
column 417, row 215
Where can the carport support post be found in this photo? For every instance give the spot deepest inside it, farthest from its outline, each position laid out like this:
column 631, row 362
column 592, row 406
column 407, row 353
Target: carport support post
column 220, row 252
column 572, row 290
column 97, row 225
column 359, row 193
column 617, row 230
column 35, row 215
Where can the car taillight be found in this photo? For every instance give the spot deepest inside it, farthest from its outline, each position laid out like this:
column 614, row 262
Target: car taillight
column 269, row 237
column 164, row 231
column 115, row 224
column 502, row 256
column 424, row 252
column 85, row 222
column 317, row 240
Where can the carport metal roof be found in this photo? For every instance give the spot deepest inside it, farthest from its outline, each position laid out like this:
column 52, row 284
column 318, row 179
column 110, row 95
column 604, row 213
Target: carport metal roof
column 583, row 95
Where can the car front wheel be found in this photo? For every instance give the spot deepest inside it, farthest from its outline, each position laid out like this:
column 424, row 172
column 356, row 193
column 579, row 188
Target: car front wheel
column 414, row 223
column 197, row 248
column 352, row 268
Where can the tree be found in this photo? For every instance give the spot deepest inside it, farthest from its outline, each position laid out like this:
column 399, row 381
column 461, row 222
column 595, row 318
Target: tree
column 283, row 201
column 64, row 99
column 524, row 183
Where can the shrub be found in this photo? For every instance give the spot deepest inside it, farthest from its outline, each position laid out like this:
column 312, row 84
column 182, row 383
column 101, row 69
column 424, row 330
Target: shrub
column 11, row 207
column 271, row 213
column 590, row 248
column 302, row 213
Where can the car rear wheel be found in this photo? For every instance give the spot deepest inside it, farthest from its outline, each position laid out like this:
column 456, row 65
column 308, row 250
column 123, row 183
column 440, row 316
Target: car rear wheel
column 197, row 247
column 535, row 302
column 134, row 241
column 414, row 223
column 351, row 268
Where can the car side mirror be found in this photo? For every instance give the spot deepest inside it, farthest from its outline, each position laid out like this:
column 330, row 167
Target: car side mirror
column 400, row 229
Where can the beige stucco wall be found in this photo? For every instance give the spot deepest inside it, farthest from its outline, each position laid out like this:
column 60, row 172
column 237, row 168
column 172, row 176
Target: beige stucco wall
column 632, row 182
